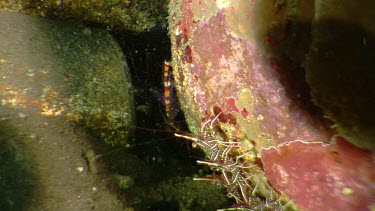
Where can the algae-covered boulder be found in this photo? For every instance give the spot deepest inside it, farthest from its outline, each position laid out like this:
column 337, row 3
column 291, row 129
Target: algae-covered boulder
column 340, row 67
column 129, row 15
column 52, row 69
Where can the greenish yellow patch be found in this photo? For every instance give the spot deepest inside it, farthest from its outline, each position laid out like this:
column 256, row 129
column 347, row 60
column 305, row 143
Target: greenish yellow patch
column 123, row 182
column 249, row 127
column 238, row 15
column 372, row 207
column 262, row 188
column 347, row 191
column 203, row 10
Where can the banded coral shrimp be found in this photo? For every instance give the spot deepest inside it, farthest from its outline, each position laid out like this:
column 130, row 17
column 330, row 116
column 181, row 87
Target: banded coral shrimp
column 236, row 170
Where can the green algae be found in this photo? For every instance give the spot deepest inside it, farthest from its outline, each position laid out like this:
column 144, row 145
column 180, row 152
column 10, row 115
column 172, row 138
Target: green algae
column 130, row 15
column 80, row 73
column 182, row 193
column 16, row 179
column 123, row 182
column 97, row 80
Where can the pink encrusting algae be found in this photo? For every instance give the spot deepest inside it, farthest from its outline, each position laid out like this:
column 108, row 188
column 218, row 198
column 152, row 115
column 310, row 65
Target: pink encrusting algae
column 333, row 176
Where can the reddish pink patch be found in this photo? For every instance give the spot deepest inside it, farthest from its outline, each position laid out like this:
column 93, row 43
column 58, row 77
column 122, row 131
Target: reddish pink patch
column 231, row 102
column 231, row 105
column 126, row 5
column 184, row 27
column 187, row 58
column 195, row 77
column 253, row 143
column 244, row 113
column 269, row 40
column 224, row 118
column 229, row 118
column 315, row 175
column 217, row 110
column 181, row 40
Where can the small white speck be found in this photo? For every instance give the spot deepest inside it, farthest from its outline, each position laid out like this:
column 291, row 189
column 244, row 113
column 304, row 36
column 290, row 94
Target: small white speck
column 30, row 74
column 280, row 134
column 22, row 115
column 80, row 169
column 32, row 136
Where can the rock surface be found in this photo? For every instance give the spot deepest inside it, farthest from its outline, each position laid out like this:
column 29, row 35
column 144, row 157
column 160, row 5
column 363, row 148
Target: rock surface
column 252, row 73
column 223, row 67
column 53, row 74
column 128, row 15
column 320, row 176
column 54, row 69
column 340, row 65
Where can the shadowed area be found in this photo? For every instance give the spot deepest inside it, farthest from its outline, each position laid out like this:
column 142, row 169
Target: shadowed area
column 16, row 179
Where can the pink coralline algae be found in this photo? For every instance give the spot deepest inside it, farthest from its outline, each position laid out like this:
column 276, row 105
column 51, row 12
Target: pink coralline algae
column 319, row 176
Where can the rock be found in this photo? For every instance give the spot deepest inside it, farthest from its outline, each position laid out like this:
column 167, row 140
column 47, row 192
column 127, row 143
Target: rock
column 341, row 53
column 321, row 176
column 221, row 66
column 52, row 76
column 240, row 70
column 133, row 15
column 233, row 86
column 16, row 178
column 51, row 69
